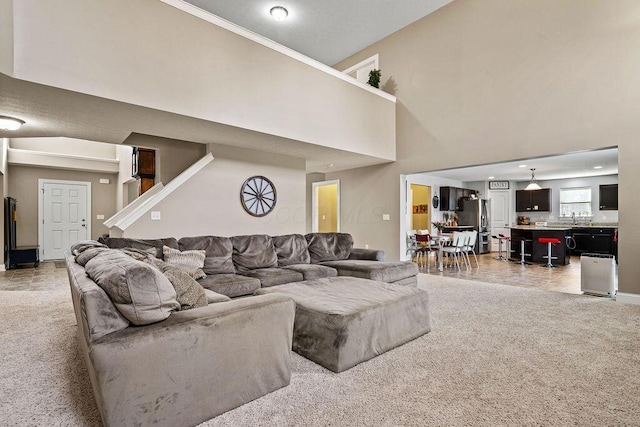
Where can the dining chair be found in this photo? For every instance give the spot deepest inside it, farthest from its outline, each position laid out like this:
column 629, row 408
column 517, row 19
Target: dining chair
column 425, row 249
column 471, row 247
column 455, row 249
column 412, row 245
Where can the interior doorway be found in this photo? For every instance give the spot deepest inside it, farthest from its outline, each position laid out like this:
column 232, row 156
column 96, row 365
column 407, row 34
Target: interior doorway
column 64, row 216
column 325, row 205
column 420, row 213
column 500, row 219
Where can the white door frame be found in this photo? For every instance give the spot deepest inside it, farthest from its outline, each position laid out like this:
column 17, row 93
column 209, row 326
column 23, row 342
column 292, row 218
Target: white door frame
column 314, row 203
column 41, row 183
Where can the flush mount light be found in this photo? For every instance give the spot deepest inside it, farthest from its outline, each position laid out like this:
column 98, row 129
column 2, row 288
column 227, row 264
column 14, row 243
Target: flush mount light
column 597, row 167
column 522, row 166
column 491, row 177
column 533, row 185
column 10, row 123
column 279, row 13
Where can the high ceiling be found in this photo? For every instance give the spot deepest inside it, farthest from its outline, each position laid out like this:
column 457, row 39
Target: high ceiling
column 328, row 30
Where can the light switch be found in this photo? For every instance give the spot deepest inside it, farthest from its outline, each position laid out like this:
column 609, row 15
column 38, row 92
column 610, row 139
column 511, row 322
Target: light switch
column 99, row 216
column 155, row 215
column 386, row 217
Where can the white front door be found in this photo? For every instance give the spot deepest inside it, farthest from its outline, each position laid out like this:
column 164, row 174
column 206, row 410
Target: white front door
column 65, row 216
column 499, row 216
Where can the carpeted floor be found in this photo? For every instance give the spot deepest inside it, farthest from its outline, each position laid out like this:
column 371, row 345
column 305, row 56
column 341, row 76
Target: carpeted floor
column 497, row 355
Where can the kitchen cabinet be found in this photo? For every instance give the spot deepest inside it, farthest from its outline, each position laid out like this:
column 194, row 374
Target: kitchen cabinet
column 535, row 251
column 595, row 240
column 533, row 200
column 609, row 197
column 451, row 197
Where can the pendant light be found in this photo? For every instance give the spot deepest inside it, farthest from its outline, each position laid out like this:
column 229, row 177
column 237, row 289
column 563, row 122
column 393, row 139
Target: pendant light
column 533, row 185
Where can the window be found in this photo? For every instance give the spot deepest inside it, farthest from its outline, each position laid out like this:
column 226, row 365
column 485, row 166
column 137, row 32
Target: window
column 575, row 201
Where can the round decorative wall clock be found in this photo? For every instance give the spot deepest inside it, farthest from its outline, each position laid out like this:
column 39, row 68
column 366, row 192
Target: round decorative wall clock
column 258, row 196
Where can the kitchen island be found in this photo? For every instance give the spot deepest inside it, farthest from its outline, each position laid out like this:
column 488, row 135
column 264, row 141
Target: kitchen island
column 535, row 251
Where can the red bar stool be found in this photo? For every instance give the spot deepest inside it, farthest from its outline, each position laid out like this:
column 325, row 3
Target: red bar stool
column 549, row 241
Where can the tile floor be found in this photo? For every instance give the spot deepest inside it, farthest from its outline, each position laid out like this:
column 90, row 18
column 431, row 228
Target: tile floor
column 52, row 275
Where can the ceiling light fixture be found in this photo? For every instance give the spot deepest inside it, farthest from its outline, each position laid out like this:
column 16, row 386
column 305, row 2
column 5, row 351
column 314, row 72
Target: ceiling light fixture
column 522, row 166
column 533, row 185
column 10, row 123
column 279, row 13
column 491, row 177
column 597, row 167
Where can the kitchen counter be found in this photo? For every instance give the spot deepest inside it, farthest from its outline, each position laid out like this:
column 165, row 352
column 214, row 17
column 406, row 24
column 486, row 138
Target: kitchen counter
column 536, row 251
column 556, row 226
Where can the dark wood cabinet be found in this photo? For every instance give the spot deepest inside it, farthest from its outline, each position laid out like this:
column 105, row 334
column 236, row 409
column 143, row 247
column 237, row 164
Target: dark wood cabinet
column 533, row 200
column 594, row 240
column 608, row 197
column 451, row 197
column 143, row 163
column 535, row 251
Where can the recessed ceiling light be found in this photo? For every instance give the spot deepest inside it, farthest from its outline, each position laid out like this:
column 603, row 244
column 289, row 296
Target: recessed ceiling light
column 330, row 165
column 522, row 166
column 279, row 13
column 491, row 177
column 10, row 123
column 597, row 167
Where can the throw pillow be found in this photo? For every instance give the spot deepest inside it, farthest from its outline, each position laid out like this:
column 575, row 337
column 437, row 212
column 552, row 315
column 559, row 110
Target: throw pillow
column 189, row 293
column 138, row 290
column 189, row 261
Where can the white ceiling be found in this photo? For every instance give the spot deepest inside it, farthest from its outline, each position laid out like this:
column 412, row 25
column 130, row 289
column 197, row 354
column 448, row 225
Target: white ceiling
column 574, row 165
column 327, row 30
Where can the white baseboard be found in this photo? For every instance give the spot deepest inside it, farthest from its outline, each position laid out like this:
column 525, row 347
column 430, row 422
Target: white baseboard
column 2, row 268
column 628, row 298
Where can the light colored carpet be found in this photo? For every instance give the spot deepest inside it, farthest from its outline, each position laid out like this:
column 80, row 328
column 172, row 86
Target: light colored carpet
column 497, row 355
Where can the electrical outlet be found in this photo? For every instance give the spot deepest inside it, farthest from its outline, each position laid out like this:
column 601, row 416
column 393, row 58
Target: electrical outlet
column 99, row 216
column 155, row 215
column 386, row 217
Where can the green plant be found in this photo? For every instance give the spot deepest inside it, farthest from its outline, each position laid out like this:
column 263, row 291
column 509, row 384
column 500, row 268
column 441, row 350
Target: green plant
column 374, row 78
column 439, row 225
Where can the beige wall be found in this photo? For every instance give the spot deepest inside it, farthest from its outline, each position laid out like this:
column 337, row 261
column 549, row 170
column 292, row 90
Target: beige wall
column 172, row 156
column 223, row 78
column 209, row 202
column 23, row 186
column 487, row 81
column 6, row 36
column 72, row 146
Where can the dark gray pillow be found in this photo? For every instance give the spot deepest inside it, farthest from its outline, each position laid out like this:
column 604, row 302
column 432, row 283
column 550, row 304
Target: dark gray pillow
column 218, row 252
column 253, row 252
column 291, row 249
column 329, row 246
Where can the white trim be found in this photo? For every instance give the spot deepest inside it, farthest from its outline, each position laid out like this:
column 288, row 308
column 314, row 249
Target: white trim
column 146, row 205
column 222, row 23
column 362, row 64
column 41, row 183
column 133, row 205
column 314, row 203
column 626, row 298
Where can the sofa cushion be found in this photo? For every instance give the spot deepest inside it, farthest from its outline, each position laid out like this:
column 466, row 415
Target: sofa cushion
column 274, row 276
column 218, row 251
column 138, row 290
column 214, row 297
column 329, row 246
column 313, row 271
column 253, row 252
column 291, row 249
column 123, row 242
column 191, row 262
column 231, row 285
column 384, row 271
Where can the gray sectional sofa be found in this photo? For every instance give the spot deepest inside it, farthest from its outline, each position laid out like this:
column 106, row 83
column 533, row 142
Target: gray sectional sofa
column 157, row 353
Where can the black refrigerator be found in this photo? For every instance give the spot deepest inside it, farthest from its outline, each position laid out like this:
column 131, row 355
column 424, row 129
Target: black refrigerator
column 475, row 212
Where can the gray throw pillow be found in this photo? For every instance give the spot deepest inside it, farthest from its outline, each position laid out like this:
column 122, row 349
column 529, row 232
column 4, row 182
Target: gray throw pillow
column 189, row 293
column 138, row 290
column 190, row 262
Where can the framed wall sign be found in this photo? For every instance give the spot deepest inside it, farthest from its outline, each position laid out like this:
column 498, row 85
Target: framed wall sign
column 498, row 185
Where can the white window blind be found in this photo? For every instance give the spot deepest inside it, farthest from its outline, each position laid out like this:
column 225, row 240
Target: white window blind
column 575, row 202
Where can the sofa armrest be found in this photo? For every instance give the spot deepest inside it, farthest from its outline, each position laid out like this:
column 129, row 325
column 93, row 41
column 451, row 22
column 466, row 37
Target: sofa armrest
column 194, row 365
column 367, row 254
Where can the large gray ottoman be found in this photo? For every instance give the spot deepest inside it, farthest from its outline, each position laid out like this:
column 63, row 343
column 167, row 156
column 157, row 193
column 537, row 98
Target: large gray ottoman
column 342, row 321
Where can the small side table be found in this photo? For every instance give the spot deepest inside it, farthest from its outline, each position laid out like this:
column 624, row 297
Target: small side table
column 23, row 255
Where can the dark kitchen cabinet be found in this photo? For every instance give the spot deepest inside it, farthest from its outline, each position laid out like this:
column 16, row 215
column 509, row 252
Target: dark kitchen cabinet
column 609, row 197
column 451, row 197
column 533, row 200
column 595, row 240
